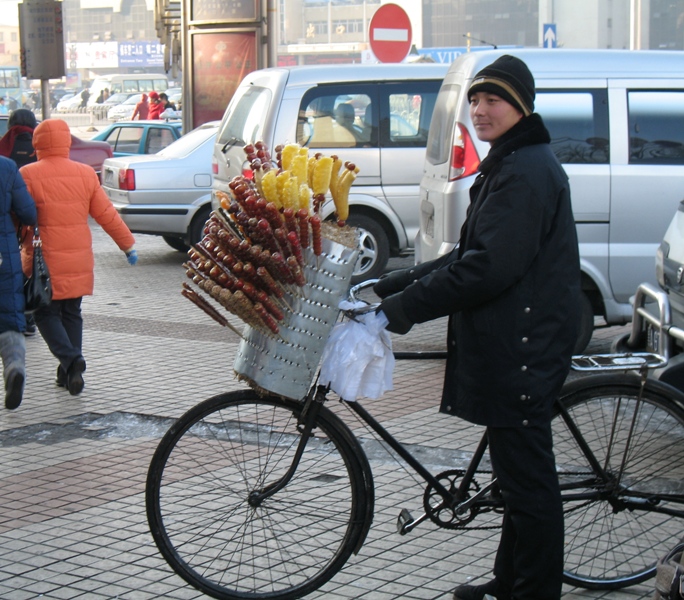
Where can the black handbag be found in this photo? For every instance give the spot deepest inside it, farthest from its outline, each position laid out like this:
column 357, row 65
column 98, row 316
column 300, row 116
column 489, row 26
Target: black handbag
column 38, row 288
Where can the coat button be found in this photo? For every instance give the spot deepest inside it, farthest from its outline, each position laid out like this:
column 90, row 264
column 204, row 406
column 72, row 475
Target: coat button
column 523, row 397
column 527, row 309
column 525, row 422
column 453, row 343
column 523, row 368
column 525, row 340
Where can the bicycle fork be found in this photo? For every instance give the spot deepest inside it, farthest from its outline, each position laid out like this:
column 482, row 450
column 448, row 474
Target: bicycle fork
column 307, row 422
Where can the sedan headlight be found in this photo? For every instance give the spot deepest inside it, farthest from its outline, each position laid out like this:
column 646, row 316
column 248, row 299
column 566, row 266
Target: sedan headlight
column 662, row 253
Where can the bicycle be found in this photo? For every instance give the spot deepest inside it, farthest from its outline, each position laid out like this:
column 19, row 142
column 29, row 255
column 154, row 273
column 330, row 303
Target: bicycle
column 257, row 496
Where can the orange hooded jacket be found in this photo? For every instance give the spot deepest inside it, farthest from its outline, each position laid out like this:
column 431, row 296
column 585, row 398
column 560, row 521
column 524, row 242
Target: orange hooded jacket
column 66, row 193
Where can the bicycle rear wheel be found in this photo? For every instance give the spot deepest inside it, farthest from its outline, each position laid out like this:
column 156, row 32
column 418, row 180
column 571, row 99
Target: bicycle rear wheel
column 614, row 539
column 289, row 544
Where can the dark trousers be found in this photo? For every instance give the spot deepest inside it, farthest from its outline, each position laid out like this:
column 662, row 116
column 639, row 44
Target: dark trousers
column 61, row 326
column 530, row 554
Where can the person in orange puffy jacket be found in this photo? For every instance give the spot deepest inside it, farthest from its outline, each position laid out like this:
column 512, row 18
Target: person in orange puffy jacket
column 156, row 106
column 66, row 193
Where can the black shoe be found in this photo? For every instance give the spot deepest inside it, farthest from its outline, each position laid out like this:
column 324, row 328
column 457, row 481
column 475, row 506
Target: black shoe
column 491, row 589
column 75, row 381
column 14, row 389
column 61, row 380
column 30, row 330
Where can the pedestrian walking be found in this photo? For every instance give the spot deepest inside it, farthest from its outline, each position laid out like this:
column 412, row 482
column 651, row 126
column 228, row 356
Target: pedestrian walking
column 3, row 107
column 141, row 110
column 85, row 96
column 156, row 106
column 511, row 289
column 66, row 194
column 166, row 103
column 15, row 205
column 17, row 145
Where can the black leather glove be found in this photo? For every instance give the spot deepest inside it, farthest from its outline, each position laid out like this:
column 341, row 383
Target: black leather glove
column 393, row 282
column 394, row 311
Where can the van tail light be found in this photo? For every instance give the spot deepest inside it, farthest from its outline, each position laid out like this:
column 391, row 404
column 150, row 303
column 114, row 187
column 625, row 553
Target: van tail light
column 214, row 165
column 464, row 158
column 127, row 179
column 247, row 172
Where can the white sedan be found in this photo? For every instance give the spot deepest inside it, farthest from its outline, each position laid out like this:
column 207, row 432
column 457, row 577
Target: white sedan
column 168, row 193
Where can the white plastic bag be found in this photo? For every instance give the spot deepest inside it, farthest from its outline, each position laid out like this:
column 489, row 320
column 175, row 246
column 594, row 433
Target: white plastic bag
column 357, row 358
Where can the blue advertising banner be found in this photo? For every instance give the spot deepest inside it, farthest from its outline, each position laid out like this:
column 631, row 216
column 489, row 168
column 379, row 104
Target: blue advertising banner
column 141, row 54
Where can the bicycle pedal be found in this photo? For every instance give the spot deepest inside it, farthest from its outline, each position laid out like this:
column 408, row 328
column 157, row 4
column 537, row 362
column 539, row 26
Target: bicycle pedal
column 403, row 520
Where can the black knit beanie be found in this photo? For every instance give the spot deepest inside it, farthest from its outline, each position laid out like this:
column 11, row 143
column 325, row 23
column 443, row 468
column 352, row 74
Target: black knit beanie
column 509, row 78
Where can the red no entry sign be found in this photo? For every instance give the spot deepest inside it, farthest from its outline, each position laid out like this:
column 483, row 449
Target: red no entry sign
column 390, row 33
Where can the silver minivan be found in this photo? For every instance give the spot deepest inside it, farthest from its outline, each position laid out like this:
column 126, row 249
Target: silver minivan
column 376, row 116
column 616, row 119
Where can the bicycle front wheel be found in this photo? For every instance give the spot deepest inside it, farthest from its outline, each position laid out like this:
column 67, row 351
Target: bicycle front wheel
column 615, row 530
column 210, row 530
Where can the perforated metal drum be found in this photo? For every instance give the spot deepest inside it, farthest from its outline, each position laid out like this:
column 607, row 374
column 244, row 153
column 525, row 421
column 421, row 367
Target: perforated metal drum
column 286, row 364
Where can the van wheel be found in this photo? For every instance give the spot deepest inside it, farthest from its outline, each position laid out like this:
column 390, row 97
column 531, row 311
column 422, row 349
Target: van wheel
column 586, row 328
column 374, row 246
column 196, row 230
column 176, row 243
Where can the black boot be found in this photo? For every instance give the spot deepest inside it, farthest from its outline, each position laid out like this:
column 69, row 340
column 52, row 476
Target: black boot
column 491, row 589
column 14, row 389
column 75, row 376
column 61, row 379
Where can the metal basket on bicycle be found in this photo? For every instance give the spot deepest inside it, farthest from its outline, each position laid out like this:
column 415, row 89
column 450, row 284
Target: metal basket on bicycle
column 286, row 364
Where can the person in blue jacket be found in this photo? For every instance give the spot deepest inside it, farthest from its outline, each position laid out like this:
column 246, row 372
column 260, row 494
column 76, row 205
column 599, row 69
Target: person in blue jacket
column 16, row 208
column 511, row 290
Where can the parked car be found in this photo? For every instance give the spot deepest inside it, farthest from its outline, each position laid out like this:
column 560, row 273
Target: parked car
column 115, row 99
column 69, row 103
column 90, row 152
column 376, row 116
column 124, row 110
column 615, row 119
column 140, row 137
column 169, row 193
column 658, row 323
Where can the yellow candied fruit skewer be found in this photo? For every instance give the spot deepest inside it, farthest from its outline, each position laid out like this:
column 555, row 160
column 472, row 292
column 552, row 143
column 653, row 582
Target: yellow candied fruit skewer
column 321, row 175
column 270, row 188
column 287, row 154
column 281, row 181
column 305, row 197
column 299, row 168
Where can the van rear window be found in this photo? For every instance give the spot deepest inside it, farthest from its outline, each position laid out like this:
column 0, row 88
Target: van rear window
column 438, row 149
column 244, row 123
column 656, row 127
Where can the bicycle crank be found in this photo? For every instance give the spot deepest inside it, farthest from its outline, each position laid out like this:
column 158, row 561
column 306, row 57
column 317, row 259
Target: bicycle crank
column 439, row 512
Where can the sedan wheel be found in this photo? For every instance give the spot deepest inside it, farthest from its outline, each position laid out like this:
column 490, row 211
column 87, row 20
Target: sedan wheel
column 374, row 246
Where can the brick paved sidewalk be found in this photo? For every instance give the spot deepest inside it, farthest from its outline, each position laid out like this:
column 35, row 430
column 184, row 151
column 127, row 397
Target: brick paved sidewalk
column 72, row 469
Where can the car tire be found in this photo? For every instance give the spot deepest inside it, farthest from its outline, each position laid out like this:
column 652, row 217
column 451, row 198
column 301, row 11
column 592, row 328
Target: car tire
column 196, row 230
column 586, row 328
column 176, row 243
column 375, row 248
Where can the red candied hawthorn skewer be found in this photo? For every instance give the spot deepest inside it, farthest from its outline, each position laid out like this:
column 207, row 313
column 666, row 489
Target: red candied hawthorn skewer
column 316, row 236
column 303, row 219
column 293, row 238
column 296, row 271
